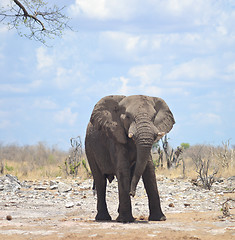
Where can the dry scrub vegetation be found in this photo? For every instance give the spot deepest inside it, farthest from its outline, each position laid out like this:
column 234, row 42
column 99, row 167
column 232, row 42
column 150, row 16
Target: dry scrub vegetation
column 31, row 161
column 205, row 162
column 202, row 163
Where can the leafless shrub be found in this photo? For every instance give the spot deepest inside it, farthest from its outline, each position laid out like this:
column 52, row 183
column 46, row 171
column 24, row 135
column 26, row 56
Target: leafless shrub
column 202, row 160
column 157, row 154
column 1, row 168
column 76, row 158
column 225, row 154
column 173, row 157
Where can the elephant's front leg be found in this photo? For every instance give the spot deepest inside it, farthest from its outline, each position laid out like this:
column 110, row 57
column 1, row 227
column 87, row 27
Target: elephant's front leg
column 124, row 179
column 150, row 184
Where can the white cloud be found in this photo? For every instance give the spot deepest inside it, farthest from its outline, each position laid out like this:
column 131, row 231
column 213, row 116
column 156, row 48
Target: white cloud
column 124, row 90
column 153, row 91
column 229, row 73
column 122, row 10
column 35, row 84
column 3, row 29
column 147, row 74
column 142, row 79
column 20, row 88
column 194, row 69
column 150, row 80
column 191, row 12
column 178, row 6
column 104, row 9
column 44, row 60
column 4, row 122
column 128, row 42
column 66, row 77
column 5, row 3
column 66, row 116
column 207, row 118
column 128, row 46
column 231, row 68
column 45, row 104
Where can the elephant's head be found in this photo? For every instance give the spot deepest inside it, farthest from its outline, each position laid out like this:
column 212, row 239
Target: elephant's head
column 140, row 118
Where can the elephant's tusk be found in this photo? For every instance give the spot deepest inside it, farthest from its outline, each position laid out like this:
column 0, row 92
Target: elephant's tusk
column 161, row 134
column 130, row 135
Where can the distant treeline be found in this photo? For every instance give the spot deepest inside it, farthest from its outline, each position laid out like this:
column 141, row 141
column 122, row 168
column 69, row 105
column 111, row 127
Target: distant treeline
column 39, row 154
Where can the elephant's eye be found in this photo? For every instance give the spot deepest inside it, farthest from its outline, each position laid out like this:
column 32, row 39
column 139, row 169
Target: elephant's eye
column 128, row 117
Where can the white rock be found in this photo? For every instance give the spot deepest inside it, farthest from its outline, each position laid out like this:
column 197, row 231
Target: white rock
column 63, row 187
column 69, row 205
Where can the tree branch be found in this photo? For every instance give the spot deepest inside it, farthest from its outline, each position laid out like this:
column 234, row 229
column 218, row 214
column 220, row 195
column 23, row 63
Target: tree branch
column 35, row 19
column 21, row 7
column 26, row 14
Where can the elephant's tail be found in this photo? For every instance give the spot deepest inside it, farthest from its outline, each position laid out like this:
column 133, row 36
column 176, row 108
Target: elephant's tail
column 94, row 188
column 110, row 177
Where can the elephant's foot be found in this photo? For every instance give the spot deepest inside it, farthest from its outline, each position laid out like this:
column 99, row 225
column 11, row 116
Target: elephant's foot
column 125, row 218
column 160, row 217
column 103, row 216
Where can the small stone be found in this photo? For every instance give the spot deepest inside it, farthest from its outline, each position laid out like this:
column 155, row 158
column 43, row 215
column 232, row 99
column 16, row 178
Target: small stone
column 53, row 187
column 171, row 205
column 63, row 187
column 13, row 178
column 152, row 235
column 52, row 183
column 69, row 205
column 40, row 188
column 187, row 204
column 9, row 217
column 93, row 235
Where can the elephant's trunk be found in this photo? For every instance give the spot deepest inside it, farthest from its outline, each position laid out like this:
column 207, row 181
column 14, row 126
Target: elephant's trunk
column 143, row 154
column 144, row 139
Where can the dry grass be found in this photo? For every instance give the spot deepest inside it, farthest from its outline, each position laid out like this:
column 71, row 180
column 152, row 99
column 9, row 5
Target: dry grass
column 40, row 162
column 37, row 162
column 25, row 170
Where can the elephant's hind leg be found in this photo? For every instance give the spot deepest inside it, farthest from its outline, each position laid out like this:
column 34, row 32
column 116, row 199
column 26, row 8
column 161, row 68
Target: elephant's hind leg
column 100, row 185
column 102, row 214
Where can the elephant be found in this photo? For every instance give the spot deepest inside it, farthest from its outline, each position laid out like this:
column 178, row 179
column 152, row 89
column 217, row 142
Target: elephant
column 118, row 142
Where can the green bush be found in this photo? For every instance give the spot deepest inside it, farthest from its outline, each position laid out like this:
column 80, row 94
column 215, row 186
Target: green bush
column 185, row 145
column 9, row 168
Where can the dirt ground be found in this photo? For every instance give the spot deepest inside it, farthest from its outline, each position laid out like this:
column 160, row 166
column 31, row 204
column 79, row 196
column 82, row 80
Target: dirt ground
column 50, row 214
column 190, row 225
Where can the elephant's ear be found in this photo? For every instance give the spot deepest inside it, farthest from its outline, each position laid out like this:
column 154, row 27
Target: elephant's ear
column 106, row 117
column 164, row 119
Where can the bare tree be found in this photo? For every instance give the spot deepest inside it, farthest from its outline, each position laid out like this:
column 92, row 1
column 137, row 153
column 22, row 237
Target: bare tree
column 34, row 19
column 225, row 154
column 74, row 159
column 173, row 157
column 203, row 168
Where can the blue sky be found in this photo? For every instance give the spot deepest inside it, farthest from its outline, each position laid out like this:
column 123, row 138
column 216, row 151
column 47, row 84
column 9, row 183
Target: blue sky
column 180, row 50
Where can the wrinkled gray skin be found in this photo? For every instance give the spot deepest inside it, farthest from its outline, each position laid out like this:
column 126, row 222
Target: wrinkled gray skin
column 118, row 143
